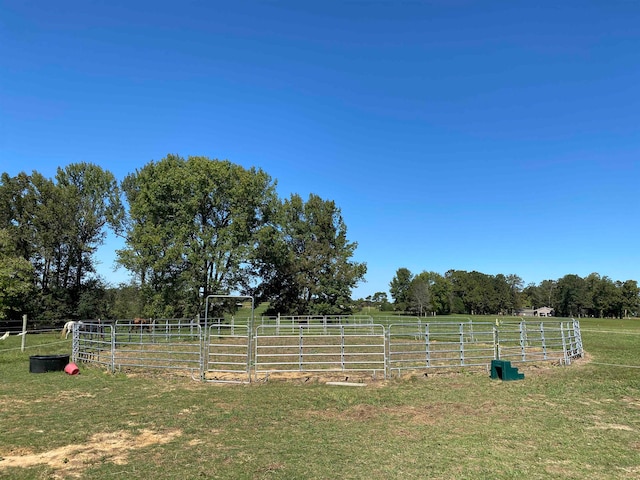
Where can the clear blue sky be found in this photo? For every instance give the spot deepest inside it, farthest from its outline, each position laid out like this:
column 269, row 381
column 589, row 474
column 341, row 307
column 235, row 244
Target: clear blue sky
column 502, row 137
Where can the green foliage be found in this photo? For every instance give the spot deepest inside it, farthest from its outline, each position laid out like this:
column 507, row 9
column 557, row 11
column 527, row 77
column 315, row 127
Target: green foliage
column 399, row 288
column 193, row 225
column 56, row 226
column 476, row 293
column 305, row 259
column 16, row 278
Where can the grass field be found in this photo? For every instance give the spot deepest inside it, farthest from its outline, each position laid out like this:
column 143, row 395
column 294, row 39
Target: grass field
column 579, row 421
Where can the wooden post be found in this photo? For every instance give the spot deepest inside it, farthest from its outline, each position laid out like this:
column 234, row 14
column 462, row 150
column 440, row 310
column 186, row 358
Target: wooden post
column 24, row 331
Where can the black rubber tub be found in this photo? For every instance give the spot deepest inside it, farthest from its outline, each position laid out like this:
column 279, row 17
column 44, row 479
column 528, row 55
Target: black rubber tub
column 47, row 363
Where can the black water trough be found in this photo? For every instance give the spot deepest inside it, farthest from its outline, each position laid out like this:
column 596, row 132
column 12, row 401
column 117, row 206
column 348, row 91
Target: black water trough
column 47, row 363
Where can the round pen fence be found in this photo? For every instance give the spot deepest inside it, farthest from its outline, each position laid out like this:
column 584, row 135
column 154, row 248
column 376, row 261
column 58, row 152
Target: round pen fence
column 440, row 345
column 124, row 345
column 233, row 351
column 419, row 346
column 328, row 349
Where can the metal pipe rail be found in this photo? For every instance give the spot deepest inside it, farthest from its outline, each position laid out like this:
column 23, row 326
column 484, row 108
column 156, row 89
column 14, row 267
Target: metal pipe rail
column 227, row 354
column 331, row 348
column 235, row 352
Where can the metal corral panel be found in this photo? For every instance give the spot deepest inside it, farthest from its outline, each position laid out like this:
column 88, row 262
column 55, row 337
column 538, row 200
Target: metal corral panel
column 440, row 345
column 93, row 343
column 547, row 340
column 320, row 348
column 230, row 352
column 160, row 344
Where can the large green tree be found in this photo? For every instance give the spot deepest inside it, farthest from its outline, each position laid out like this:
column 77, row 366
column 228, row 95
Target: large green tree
column 571, row 296
column 57, row 225
column 399, row 287
column 91, row 197
column 630, row 301
column 192, row 230
column 305, row 259
column 419, row 295
column 16, row 278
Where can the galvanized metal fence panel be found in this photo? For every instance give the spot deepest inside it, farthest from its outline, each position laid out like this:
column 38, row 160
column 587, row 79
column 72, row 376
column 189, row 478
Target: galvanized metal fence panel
column 228, row 353
column 232, row 352
column 162, row 345
column 93, row 343
column 535, row 341
column 440, row 345
column 320, row 348
column 574, row 340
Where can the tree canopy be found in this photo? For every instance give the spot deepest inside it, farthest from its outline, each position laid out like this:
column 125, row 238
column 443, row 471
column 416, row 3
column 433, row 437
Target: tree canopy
column 305, row 259
column 462, row 292
column 56, row 225
column 192, row 228
column 197, row 226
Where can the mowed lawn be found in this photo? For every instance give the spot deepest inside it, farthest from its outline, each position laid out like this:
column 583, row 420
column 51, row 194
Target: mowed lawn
column 577, row 421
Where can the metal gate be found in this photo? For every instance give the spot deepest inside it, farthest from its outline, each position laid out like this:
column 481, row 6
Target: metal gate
column 93, row 343
column 227, row 354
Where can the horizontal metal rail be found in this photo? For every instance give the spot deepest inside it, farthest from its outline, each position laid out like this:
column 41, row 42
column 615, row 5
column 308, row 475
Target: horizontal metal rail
column 440, row 345
column 331, row 348
column 228, row 354
column 234, row 352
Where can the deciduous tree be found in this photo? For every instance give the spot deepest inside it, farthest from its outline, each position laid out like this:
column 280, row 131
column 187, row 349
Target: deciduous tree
column 192, row 230
column 399, row 288
column 305, row 259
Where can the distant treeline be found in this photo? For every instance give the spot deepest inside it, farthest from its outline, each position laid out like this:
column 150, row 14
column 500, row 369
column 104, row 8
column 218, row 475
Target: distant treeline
column 475, row 293
column 192, row 227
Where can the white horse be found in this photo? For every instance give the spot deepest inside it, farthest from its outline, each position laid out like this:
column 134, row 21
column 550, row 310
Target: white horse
column 68, row 328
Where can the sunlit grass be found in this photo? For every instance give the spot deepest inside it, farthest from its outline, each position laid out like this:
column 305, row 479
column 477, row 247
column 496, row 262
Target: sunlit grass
column 578, row 421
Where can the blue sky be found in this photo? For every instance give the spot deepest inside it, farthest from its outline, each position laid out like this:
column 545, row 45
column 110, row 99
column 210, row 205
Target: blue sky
column 501, row 137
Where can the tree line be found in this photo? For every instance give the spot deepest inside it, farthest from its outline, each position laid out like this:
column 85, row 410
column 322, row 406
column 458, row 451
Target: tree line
column 475, row 293
column 192, row 227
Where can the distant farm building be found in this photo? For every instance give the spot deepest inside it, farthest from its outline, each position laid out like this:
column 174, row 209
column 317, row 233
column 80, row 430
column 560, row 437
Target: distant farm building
column 543, row 312
column 535, row 312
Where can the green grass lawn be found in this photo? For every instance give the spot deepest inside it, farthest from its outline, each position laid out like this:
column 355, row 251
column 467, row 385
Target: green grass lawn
column 579, row 421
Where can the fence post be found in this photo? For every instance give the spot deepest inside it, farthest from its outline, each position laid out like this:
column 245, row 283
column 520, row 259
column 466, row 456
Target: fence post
column 342, row 346
column 300, row 347
column 24, row 332
column 427, row 344
column 461, row 328
column 75, row 342
column 114, row 332
column 544, row 341
column 564, row 344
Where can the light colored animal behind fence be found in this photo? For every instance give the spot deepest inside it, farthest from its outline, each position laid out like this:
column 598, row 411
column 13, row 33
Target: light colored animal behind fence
column 68, row 328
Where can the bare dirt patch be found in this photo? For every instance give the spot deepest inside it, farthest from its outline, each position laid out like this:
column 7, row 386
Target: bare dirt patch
column 72, row 460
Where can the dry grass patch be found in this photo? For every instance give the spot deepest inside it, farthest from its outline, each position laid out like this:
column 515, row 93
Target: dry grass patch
column 73, row 460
